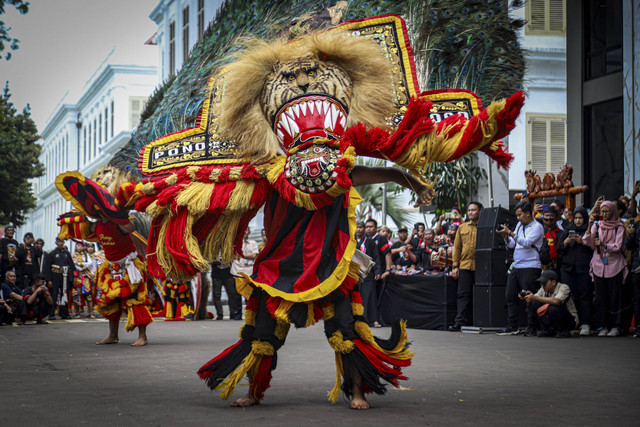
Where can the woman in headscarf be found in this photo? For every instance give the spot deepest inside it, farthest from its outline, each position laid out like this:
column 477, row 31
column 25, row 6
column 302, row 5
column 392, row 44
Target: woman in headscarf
column 576, row 259
column 608, row 265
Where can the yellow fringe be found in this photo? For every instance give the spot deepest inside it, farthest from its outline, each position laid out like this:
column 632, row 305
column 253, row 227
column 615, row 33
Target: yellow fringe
column 354, row 270
column 357, row 309
column 282, row 329
column 240, row 199
column 282, row 313
column 164, row 258
column 329, row 311
column 276, row 167
column 250, row 317
column 303, row 200
column 191, row 172
column 244, row 287
column 129, row 326
column 310, row 315
column 337, row 342
column 219, row 242
column 400, row 351
column 191, row 243
column 196, row 197
column 258, row 350
column 335, row 392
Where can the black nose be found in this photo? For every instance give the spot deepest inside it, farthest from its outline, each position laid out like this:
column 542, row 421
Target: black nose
column 304, row 87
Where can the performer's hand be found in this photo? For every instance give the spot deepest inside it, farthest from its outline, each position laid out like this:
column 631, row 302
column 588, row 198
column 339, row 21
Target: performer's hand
column 425, row 194
column 377, row 277
column 385, row 274
column 455, row 273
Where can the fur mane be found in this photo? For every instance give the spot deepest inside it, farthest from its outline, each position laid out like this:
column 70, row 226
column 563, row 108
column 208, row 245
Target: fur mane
column 241, row 118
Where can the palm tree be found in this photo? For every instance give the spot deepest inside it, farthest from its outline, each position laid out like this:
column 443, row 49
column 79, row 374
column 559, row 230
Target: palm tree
column 372, row 198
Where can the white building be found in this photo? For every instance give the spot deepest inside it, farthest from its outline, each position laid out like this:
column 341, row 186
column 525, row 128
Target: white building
column 181, row 23
column 539, row 141
column 84, row 135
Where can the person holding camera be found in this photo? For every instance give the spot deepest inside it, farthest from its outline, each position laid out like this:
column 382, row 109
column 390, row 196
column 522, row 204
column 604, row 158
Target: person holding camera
column 36, row 301
column 606, row 236
column 447, row 219
column 549, row 254
column 526, row 239
column 576, row 259
column 550, row 311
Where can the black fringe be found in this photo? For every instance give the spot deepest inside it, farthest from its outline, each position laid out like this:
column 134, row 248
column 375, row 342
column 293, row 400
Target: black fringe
column 221, row 368
column 392, row 341
column 298, row 314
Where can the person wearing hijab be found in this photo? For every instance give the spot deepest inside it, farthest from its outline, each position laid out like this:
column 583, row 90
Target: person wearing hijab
column 608, row 265
column 576, row 259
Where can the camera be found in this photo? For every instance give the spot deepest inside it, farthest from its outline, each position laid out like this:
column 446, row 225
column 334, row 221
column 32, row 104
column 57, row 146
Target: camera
column 523, row 294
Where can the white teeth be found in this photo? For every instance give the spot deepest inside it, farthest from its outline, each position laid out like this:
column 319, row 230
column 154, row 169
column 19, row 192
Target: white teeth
column 296, row 110
column 327, row 121
column 343, row 121
column 284, row 123
column 303, row 108
column 311, row 107
column 280, row 134
column 334, row 116
column 325, row 105
column 294, row 127
column 319, row 107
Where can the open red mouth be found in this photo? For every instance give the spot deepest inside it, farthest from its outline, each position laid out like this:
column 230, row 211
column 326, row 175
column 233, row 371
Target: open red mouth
column 308, row 117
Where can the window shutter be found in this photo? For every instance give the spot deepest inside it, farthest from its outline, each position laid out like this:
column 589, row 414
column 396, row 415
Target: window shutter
column 537, row 15
column 556, row 16
column 136, row 104
column 557, row 145
column 538, row 145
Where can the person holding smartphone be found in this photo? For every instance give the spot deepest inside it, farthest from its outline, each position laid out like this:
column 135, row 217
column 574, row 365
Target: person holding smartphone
column 608, row 265
column 576, row 259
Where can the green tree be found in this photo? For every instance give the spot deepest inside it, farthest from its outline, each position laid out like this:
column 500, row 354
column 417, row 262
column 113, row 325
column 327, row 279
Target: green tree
column 18, row 162
column 455, row 183
column 372, row 198
column 5, row 38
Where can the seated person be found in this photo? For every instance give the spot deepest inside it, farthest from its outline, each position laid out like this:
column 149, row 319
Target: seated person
column 11, row 294
column 406, row 260
column 36, row 302
column 551, row 311
column 6, row 313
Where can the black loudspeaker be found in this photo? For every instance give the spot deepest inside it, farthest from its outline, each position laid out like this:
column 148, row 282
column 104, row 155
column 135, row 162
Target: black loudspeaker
column 489, row 306
column 489, row 221
column 491, row 267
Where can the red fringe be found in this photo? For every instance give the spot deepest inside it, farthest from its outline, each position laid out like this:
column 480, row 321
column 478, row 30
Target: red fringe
column 356, row 297
column 262, row 380
column 141, row 315
column 380, row 360
column 252, row 304
column 272, row 304
column 501, row 156
column 152, row 260
column 204, row 373
column 416, row 122
column 365, row 142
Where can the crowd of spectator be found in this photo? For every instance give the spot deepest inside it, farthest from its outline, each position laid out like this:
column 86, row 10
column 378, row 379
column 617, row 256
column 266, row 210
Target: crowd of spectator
column 40, row 286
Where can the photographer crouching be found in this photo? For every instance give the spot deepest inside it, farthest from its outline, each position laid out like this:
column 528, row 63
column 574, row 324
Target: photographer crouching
column 550, row 311
column 36, row 301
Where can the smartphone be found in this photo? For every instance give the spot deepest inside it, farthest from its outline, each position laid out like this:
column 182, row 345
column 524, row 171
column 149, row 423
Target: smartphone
column 572, row 233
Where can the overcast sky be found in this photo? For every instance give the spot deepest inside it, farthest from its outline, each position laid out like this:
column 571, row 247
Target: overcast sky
column 63, row 42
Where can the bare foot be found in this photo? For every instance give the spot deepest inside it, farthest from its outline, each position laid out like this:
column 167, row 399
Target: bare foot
column 357, row 400
column 245, row 401
column 109, row 340
column 140, row 342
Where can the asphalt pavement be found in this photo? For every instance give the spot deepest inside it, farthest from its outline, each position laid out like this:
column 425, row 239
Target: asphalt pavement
column 55, row 375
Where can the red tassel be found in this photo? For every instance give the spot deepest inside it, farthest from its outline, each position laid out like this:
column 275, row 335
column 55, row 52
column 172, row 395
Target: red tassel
column 252, row 304
column 141, row 315
column 501, row 156
column 262, row 380
column 272, row 304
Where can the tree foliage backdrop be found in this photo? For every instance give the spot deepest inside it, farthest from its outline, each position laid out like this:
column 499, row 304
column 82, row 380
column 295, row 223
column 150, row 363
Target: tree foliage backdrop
column 372, row 198
column 5, row 39
column 18, row 162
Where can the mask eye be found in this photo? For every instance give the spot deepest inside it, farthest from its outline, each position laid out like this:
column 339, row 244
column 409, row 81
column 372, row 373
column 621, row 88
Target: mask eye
column 291, row 77
column 312, row 73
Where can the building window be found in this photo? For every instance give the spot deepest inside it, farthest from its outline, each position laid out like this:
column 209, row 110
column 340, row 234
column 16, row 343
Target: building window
column 546, row 142
column 545, row 18
column 172, row 47
column 106, row 126
column 200, row 18
column 185, row 34
column 112, row 113
column 136, row 105
column 603, row 37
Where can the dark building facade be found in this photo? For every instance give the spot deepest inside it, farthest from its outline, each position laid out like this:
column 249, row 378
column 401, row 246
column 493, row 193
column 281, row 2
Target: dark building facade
column 603, row 95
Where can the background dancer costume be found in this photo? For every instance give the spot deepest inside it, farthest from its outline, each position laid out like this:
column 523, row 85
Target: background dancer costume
column 122, row 278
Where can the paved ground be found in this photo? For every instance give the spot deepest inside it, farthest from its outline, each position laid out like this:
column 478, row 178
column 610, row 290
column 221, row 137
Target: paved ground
column 54, row 375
